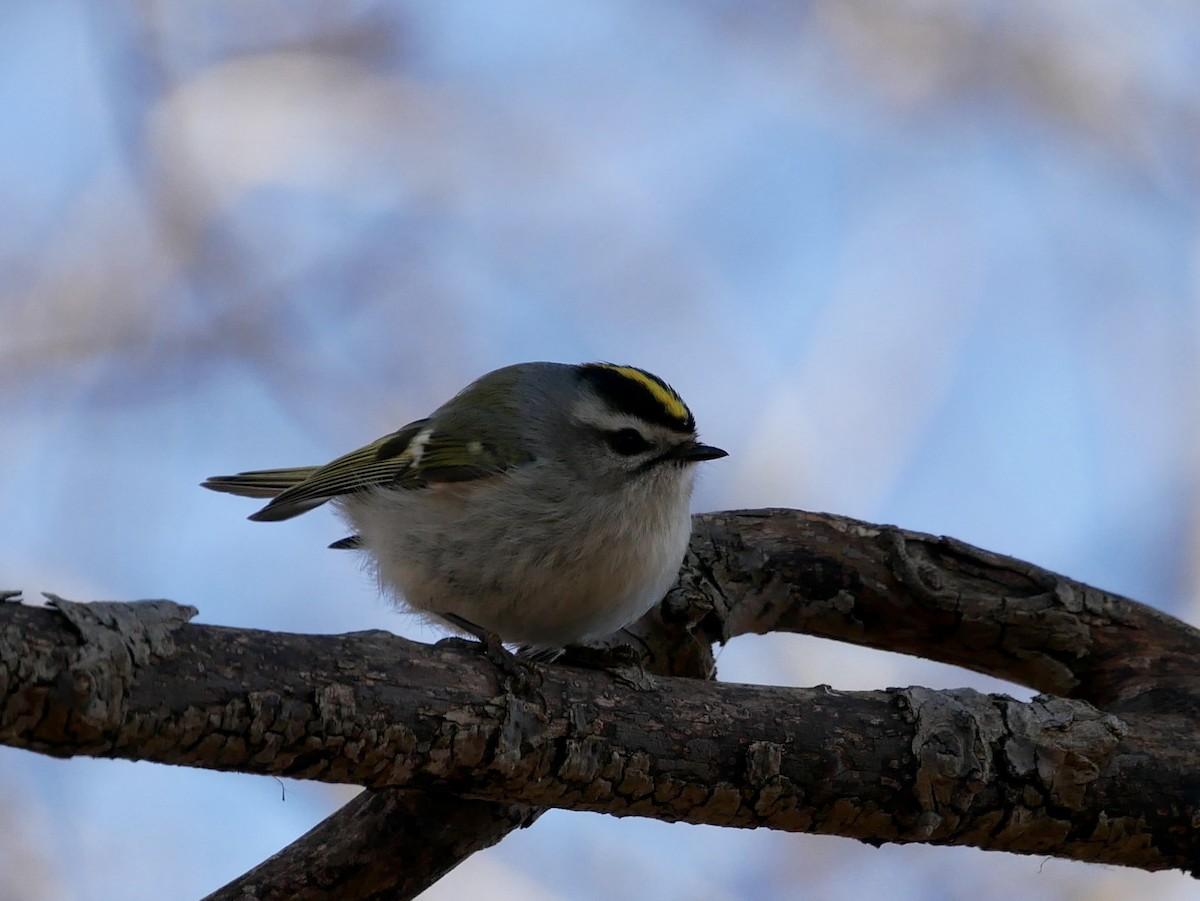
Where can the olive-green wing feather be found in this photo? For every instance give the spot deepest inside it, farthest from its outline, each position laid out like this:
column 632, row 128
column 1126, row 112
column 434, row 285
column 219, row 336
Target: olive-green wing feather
column 413, row 457
column 302, row 488
column 448, row 458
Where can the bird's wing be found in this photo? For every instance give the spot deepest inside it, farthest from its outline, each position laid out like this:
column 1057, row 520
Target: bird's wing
column 416, row 456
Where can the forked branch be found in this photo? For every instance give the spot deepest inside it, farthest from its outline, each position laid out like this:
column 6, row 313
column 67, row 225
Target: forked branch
column 1103, row 770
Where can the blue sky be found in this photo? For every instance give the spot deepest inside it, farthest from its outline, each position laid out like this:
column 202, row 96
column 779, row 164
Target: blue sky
column 925, row 263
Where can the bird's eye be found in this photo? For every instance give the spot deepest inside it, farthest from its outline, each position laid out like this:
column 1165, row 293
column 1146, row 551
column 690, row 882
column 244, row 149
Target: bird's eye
column 627, row 442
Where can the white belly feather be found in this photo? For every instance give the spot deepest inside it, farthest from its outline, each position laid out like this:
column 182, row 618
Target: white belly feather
column 537, row 570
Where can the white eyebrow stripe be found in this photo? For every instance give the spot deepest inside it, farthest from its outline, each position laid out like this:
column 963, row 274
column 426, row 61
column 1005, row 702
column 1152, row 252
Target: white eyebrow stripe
column 604, row 418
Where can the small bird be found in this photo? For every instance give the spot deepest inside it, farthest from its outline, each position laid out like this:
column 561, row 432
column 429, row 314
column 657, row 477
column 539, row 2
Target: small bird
column 545, row 504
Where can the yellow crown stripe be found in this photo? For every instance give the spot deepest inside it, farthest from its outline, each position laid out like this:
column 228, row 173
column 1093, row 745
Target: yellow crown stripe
column 671, row 402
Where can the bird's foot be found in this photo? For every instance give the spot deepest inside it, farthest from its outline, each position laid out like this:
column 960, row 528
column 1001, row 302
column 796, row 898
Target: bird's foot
column 516, row 670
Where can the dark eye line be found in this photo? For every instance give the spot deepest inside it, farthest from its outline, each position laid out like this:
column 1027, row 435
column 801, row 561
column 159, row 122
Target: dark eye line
column 627, row 442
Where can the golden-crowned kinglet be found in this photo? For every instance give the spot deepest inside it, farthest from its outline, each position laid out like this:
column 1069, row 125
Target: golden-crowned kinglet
column 545, row 503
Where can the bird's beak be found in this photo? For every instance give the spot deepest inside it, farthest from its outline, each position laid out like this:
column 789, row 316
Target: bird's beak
column 695, row 452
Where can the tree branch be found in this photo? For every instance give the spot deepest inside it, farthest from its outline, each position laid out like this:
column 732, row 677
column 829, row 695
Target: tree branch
column 393, row 843
column 1055, row 776
column 759, row 571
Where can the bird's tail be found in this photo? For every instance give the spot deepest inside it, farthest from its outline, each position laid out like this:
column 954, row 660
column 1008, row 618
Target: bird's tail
column 269, row 483
column 260, row 482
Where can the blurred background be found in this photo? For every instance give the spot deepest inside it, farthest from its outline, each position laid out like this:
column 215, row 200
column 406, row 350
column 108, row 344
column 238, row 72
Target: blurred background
column 928, row 262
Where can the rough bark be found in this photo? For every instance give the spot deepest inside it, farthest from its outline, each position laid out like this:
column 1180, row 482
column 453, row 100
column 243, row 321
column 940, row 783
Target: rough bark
column 939, row 598
column 392, row 843
column 1104, row 771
